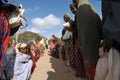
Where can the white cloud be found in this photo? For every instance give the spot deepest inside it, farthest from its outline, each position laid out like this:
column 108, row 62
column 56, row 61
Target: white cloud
column 29, row 10
column 46, row 26
column 48, row 22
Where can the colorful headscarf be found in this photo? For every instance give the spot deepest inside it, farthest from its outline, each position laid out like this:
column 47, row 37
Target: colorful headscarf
column 4, row 41
column 67, row 15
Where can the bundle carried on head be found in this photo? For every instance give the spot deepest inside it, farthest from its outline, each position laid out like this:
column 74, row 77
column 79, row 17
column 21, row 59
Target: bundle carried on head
column 66, row 15
column 15, row 15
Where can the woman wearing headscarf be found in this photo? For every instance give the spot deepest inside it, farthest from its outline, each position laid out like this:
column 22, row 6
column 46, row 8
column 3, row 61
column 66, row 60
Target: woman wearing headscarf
column 32, row 48
column 89, row 34
column 54, row 46
column 6, row 9
column 23, row 63
column 76, row 59
column 67, row 26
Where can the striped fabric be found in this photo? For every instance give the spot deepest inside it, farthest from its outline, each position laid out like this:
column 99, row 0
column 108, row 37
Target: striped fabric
column 4, row 40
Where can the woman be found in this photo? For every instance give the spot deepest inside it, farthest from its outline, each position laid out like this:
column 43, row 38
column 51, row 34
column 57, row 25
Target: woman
column 31, row 51
column 54, row 47
column 6, row 9
column 76, row 59
column 89, row 34
column 67, row 27
column 23, row 63
column 52, row 43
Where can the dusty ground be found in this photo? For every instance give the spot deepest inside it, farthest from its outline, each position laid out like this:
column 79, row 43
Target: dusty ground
column 49, row 68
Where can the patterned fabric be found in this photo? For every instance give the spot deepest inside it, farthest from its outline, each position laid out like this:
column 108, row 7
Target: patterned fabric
column 76, row 59
column 4, row 39
column 72, row 55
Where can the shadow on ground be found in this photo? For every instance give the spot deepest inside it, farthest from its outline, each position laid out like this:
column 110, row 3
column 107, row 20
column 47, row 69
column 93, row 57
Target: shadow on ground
column 60, row 72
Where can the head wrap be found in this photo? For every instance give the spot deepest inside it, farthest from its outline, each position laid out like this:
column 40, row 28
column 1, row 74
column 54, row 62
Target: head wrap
column 67, row 15
column 22, row 45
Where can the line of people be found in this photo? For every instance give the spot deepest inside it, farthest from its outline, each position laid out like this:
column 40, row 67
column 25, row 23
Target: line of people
column 94, row 45
column 55, row 47
column 22, row 60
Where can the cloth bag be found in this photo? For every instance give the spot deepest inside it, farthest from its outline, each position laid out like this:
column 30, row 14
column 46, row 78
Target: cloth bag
column 67, row 35
column 108, row 66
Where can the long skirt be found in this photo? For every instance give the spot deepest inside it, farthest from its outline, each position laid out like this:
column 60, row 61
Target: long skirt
column 76, row 59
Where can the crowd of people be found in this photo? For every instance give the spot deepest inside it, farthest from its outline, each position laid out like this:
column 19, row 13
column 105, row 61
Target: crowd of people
column 90, row 45
column 17, row 60
column 93, row 49
column 22, row 58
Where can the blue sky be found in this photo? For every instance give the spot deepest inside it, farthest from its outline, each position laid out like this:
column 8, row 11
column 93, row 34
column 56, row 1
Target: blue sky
column 46, row 16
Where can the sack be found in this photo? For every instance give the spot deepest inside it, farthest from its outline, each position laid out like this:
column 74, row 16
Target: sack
column 102, row 68
column 67, row 35
column 16, row 18
column 108, row 67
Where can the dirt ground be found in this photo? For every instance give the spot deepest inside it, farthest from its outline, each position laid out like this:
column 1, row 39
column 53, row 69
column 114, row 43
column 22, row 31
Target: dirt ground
column 49, row 68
